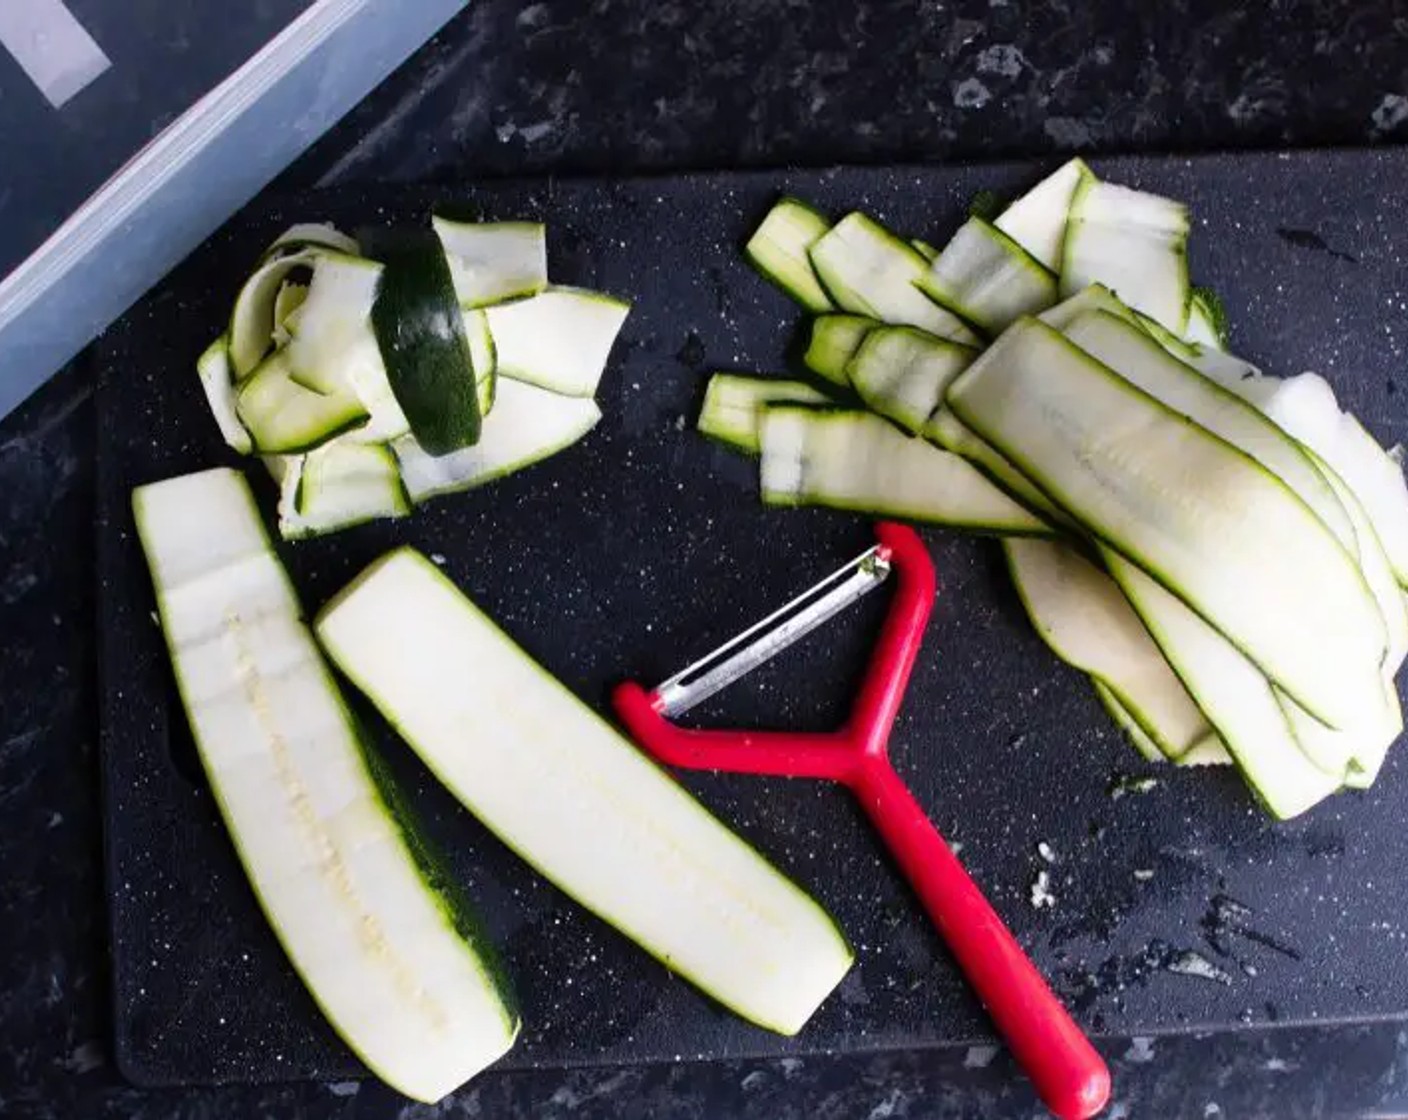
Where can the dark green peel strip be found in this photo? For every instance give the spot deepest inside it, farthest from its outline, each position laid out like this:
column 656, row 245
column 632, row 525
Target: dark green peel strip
column 420, row 332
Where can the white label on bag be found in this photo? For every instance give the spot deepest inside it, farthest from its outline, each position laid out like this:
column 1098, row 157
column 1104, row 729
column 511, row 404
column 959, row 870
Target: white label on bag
column 51, row 46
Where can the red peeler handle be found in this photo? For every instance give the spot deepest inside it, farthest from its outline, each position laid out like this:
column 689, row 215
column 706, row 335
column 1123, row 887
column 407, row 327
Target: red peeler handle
column 1066, row 1069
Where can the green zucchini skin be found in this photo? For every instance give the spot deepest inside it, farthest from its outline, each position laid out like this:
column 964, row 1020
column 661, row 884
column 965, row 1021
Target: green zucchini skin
column 420, row 332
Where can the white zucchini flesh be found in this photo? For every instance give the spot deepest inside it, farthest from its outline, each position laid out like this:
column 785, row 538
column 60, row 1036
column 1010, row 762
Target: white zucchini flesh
column 528, row 424
column 1037, row 220
column 1364, row 746
column 356, row 913
column 1093, row 297
column 1136, row 735
column 1207, row 751
column 334, row 320
column 902, row 373
column 483, row 357
column 1232, row 693
column 559, row 339
column 340, row 484
column 987, row 278
column 1132, row 242
column 1141, row 361
column 950, row 433
column 251, row 328
column 289, row 299
column 1082, row 614
column 833, row 342
column 578, row 801
column 1306, row 408
column 869, row 271
column 778, row 250
column 858, row 461
column 733, row 406
column 1208, row 521
column 217, row 381
column 494, row 261
column 283, row 416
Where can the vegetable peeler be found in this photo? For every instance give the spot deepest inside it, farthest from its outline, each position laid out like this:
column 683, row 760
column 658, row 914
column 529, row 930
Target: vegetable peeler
column 1070, row 1076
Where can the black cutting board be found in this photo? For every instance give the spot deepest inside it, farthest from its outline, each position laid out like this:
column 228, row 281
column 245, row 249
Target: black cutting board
column 644, row 545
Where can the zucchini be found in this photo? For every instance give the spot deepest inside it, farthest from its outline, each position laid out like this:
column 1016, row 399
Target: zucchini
column 290, row 297
column 1093, row 297
column 1212, row 751
column 576, row 800
column 984, row 276
column 1080, row 612
column 339, row 485
column 924, row 249
column 1141, row 361
column 868, row 270
column 1306, row 408
column 420, row 332
column 559, row 340
column 311, row 235
column 1136, row 735
column 1132, row 242
column 528, row 424
column 251, row 328
column 1037, row 220
column 283, row 417
column 1361, row 750
column 857, row 461
column 1207, row 319
column 778, row 250
column 902, row 373
column 380, row 941
column 950, row 433
column 213, row 368
column 1233, row 694
column 334, row 320
column 483, row 356
column 833, row 343
column 1207, row 751
column 1206, row 520
column 733, row 406
column 493, row 261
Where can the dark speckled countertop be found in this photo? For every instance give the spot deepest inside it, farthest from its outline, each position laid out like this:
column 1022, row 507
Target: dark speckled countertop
column 622, row 86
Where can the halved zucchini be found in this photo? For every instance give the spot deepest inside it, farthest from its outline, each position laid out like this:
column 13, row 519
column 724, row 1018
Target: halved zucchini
column 382, row 941
column 576, row 800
